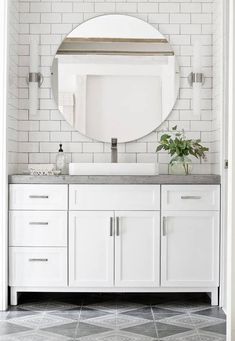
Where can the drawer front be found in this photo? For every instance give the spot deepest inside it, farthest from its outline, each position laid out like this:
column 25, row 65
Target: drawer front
column 38, row 228
column 191, row 197
column 114, row 197
column 38, row 197
column 37, row 266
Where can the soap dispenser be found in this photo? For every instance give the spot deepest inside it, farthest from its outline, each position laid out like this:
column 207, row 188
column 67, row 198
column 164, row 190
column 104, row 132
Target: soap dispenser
column 60, row 160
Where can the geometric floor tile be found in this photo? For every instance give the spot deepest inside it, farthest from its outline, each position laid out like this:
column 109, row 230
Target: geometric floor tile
column 116, row 321
column 87, row 313
column 145, row 313
column 148, row 329
column 191, row 321
column 160, row 313
column 112, row 307
column 183, row 306
column 33, row 336
column 72, row 314
column 187, row 336
column 68, row 330
column 118, row 335
column 218, row 328
column 85, row 329
column 10, row 328
column 47, row 306
column 40, row 321
column 164, row 330
column 113, row 317
column 212, row 312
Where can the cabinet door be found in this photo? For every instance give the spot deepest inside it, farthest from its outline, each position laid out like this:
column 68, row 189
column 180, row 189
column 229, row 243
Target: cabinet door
column 137, row 248
column 190, row 249
column 91, row 248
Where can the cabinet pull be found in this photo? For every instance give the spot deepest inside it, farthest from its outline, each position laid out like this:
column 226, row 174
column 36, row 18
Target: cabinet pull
column 117, row 226
column 111, row 227
column 38, row 259
column 39, row 196
column 190, row 197
column 164, row 226
column 38, row 223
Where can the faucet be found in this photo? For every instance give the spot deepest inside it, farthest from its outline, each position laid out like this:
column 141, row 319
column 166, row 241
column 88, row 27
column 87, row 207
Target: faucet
column 114, row 158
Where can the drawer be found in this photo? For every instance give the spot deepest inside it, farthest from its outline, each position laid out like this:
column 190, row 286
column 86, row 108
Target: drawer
column 191, row 197
column 38, row 228
column 38, row 197
column 37, row 266
column 114, row 197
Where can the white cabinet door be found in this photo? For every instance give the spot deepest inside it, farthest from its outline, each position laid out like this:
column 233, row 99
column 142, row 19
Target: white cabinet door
column 91, row 249
column 190, row 249
column 137, row 248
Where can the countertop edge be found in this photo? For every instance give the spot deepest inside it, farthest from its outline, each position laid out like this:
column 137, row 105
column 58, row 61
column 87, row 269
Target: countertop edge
column 202, row 179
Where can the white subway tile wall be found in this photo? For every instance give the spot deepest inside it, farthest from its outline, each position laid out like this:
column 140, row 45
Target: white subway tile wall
column 219, row 66
column 181, row 21
column 12, row 108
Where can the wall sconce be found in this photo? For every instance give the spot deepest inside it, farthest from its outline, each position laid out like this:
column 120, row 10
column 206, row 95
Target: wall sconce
column 35, row 78
column 196, row 78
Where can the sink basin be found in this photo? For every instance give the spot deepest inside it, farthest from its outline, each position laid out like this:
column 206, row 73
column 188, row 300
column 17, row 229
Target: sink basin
column 113, row 169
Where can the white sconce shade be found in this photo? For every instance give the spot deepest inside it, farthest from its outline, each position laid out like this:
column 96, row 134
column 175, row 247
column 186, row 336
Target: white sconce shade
column 35, row 78
column 196, row 78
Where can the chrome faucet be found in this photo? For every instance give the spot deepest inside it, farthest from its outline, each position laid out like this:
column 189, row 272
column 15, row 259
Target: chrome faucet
column 114, row 156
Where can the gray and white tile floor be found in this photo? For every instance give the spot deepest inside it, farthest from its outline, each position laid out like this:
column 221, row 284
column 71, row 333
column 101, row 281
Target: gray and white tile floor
column 113, row 317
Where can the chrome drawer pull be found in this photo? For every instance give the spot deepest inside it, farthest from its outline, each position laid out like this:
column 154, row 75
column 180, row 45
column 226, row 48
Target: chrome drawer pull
column 39, row 196
column 117, row 227
column 164, row 226
column 190, row 197
column 111, row 227
column 38, row 259
column 38, row 223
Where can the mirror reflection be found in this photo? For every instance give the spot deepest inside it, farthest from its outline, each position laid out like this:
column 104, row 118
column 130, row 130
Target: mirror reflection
column 115, row 76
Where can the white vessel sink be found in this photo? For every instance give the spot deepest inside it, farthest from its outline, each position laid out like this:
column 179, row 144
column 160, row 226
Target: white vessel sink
column 113, row 169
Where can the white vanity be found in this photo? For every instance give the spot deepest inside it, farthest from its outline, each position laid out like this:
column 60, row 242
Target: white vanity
column 92, row 236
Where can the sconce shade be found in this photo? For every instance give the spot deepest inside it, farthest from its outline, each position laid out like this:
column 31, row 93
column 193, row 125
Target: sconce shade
column 33, row 71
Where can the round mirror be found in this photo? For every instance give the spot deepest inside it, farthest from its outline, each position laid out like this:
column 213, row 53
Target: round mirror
column 115, row 76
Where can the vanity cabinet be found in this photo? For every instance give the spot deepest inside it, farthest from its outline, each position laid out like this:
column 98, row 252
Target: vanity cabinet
column 91, row 248
column 114, row 238
column 190, row 249
column 120, row 249
column 137, row 249
column 190, row 236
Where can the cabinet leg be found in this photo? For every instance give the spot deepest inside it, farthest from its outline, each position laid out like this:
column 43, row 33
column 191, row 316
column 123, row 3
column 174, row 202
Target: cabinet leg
column 14, row 295
column 214, row 297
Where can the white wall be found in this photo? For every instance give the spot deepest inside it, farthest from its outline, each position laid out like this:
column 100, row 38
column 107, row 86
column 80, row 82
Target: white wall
column 182, row 22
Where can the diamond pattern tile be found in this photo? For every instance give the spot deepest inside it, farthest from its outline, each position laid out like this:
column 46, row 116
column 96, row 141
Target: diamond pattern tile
column 10, row 328
column 145, row 312
column 165, row 329
column 118, row 335
column 47, row 306
column 147, row 329
column 218, row 328
column 40, row 321
column 33, row 336
column 212, row 312
column 116, row 321
column 183, row 306
column 115, row 307
column 113, row 317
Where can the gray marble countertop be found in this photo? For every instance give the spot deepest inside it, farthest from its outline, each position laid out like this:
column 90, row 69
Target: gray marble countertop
column 116, row 179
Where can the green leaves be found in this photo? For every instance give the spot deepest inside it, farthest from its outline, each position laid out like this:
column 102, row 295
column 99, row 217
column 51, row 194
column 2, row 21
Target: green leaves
column 176, row 144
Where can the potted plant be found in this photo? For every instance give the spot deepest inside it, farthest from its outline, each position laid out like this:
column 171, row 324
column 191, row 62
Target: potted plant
column 180, row 149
